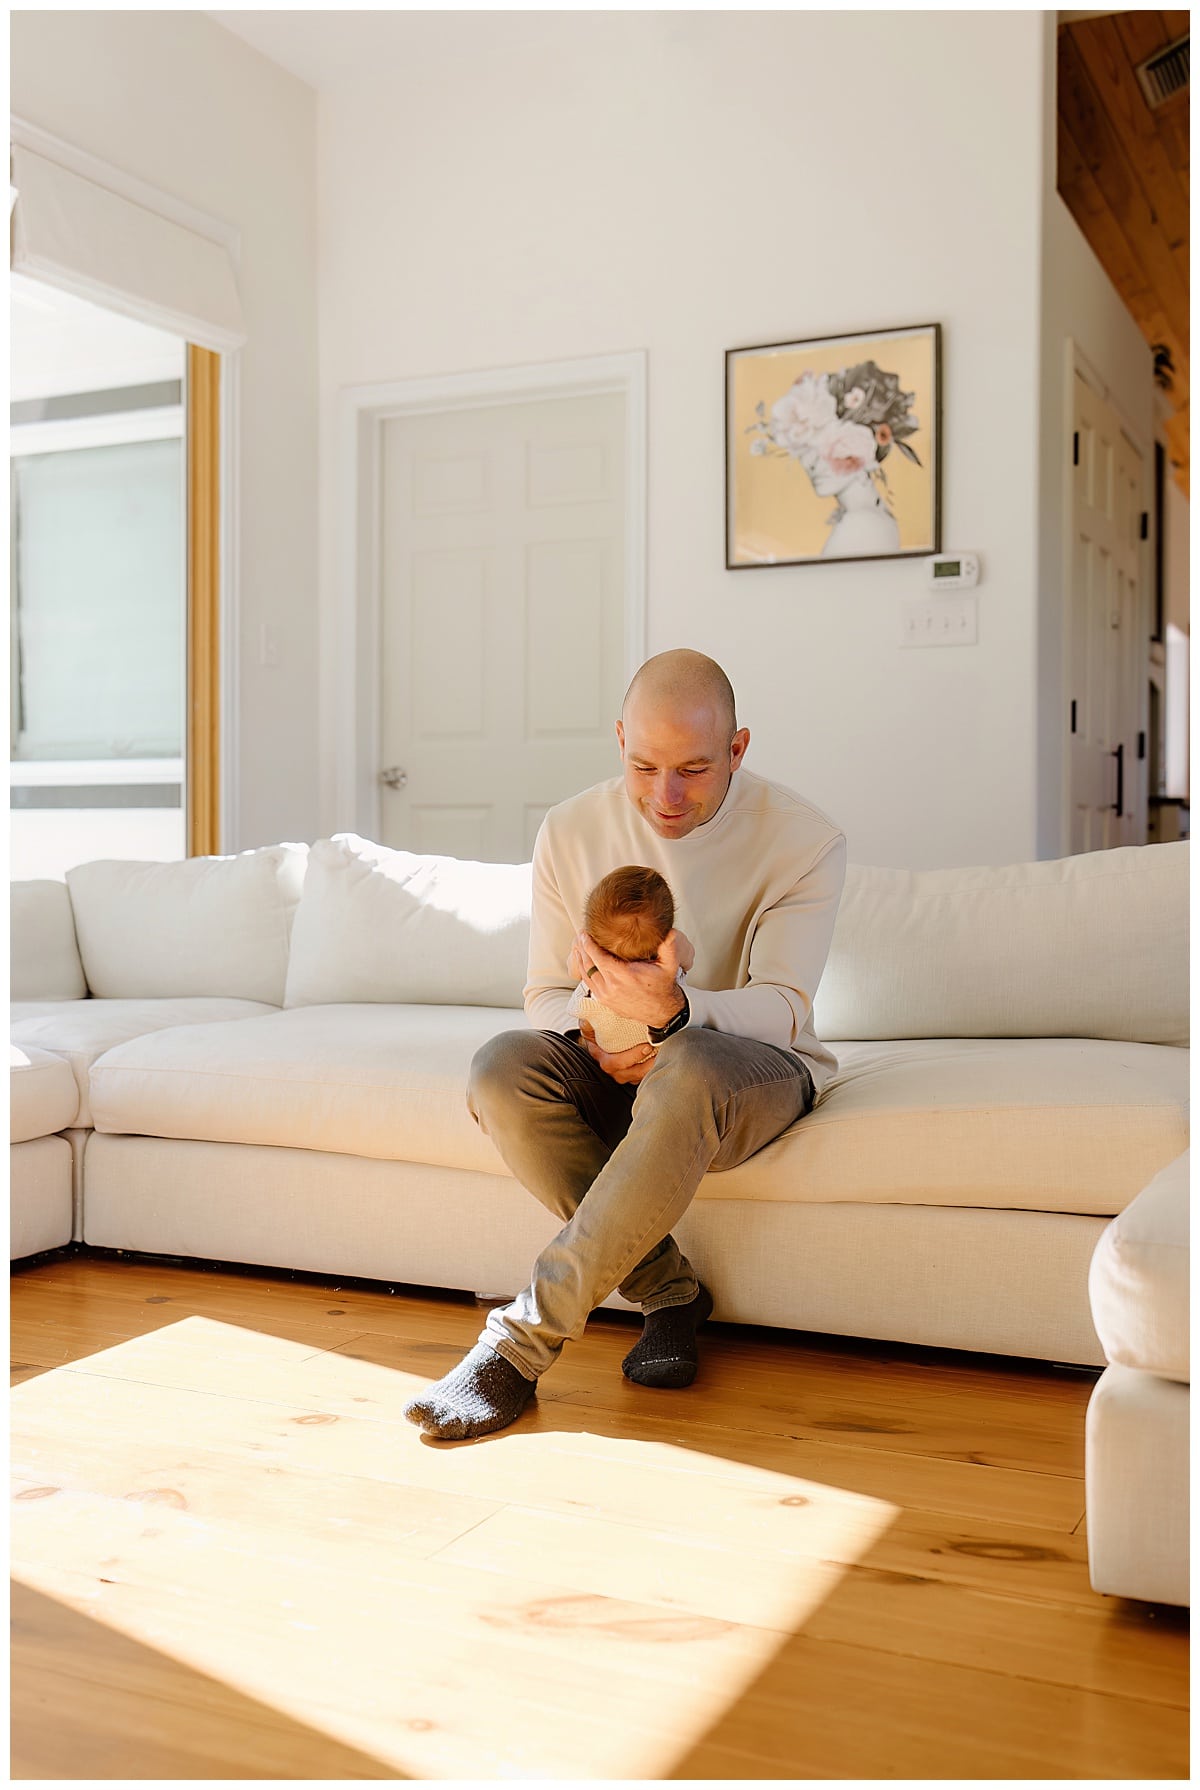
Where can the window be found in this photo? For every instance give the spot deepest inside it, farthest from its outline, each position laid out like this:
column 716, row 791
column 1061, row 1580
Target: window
column 98, row 586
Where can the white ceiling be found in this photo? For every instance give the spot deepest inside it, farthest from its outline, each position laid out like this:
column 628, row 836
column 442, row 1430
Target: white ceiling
column 322, row 48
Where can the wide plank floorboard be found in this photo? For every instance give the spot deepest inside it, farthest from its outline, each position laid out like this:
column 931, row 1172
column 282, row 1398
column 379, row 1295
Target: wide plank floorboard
column 234, row 1558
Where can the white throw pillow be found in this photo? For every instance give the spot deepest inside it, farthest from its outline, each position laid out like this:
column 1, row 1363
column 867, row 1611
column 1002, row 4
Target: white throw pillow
column 197, row 926
column 1092, row 946
column 43, row 956
column 376, row 924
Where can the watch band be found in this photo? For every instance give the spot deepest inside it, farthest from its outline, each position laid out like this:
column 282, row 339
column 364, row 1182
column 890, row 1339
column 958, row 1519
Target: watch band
column 675, row 1024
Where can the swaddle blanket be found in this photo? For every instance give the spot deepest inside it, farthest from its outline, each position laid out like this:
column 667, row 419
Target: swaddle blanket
column 613, row 1032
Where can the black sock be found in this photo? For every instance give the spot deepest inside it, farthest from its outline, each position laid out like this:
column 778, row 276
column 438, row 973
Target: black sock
column 483, row 1393
column 666, row 1354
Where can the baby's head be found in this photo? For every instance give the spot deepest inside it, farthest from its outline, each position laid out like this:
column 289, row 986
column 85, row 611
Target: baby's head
column 630, row 912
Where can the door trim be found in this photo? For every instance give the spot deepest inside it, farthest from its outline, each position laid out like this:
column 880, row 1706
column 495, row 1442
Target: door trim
column 1076, row 362
column 350, row 612
column 202, row 754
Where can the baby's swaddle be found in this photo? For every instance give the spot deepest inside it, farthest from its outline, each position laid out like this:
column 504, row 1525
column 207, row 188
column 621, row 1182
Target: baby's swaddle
column 613, row 1033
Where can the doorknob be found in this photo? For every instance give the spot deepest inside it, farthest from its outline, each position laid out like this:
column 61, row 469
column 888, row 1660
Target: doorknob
column 394, row 777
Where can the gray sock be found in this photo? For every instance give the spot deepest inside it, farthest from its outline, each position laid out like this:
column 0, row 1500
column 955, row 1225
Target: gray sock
column 483, row 1393
column 666, row 1354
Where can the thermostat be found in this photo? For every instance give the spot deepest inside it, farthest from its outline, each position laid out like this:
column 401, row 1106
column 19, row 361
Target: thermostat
column 957, row 572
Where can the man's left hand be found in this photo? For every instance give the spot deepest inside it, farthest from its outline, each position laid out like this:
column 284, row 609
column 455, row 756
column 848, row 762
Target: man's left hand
column 648, row 992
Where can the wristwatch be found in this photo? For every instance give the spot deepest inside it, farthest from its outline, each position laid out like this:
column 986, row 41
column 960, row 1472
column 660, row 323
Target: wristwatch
column 675, row 1024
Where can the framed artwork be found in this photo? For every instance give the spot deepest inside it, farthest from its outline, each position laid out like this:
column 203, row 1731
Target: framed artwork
column 833, row 449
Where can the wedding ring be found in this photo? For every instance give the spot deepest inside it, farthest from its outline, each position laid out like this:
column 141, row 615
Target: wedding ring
column 593, row 970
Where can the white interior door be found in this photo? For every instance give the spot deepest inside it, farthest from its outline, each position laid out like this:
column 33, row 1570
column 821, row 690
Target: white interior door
column 1108, row 651
column 502, row 618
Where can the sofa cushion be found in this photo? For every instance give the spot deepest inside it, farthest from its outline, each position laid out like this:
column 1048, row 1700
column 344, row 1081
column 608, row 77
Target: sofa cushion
column 44, row 961
column 43, row 1097
column 1138, row 1281
column 1042, row 1124
column 41, row 1174
column 1057, row 1125
column 376, row 924
column 384, row 1081
column 1093, row 946
column 81, row 1031
column 198, row 926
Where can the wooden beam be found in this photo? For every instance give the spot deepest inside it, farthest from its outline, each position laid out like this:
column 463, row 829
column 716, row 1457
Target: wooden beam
column 1145, row 32
column 1089, row 125
column 1115, row 253
column 1107, row 62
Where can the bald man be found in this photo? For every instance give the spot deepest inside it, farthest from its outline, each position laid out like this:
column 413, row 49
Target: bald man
column 616, row 1145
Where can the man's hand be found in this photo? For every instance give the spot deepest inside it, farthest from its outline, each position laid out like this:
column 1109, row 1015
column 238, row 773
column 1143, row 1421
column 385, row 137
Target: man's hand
column 648, row 992
column 626, row 1066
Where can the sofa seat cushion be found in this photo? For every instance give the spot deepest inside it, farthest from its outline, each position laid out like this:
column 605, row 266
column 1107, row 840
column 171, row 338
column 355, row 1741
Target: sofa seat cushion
column 43, row 1096
column 1057, row 1125
column 1037, row 1124
column 377, row 1080
column 81, row 1031
column 1138, row 1281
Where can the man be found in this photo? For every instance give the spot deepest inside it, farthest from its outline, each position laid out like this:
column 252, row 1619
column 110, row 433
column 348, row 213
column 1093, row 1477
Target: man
column 616, row 1145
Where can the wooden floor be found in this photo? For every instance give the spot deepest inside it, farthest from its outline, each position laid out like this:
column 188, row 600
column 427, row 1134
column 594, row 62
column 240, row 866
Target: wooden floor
column 233, row 1558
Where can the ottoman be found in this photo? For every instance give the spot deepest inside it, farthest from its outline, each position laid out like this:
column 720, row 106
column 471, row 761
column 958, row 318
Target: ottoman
column 1137, row 1420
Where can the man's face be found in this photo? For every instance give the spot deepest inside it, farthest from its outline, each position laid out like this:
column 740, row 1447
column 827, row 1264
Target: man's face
column 678, row 762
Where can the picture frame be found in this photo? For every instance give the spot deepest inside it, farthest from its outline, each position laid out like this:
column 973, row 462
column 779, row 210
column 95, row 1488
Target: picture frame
column 852, row 421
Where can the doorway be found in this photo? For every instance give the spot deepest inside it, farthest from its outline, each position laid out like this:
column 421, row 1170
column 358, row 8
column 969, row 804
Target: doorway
column 1108, row 628
column 496, row 526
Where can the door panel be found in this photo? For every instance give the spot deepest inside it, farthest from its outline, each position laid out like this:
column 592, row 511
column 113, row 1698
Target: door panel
column 502, row 652
column 1107, row 632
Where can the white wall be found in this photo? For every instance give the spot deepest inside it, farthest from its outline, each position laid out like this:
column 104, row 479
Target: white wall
column 176, row 100
column 530, row 187
column 1079, row 304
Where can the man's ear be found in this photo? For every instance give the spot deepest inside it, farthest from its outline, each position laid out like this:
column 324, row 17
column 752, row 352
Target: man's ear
column 737, row 747
column 621, row 737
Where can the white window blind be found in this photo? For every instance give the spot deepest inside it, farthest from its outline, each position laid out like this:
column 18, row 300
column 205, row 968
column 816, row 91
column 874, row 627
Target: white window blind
column 99, row 245
column 98, row 603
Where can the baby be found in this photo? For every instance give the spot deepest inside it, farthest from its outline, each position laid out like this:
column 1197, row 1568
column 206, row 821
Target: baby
column 629, row 913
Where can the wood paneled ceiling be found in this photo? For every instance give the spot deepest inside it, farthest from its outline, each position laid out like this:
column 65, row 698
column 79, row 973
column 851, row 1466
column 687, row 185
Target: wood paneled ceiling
column 1123, row 171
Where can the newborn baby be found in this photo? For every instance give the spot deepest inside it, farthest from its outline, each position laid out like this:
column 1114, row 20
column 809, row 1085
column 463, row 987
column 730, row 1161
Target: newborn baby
column 629, row 913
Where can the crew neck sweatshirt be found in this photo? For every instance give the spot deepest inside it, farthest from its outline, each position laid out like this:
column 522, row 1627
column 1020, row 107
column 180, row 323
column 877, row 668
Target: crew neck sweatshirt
column 756, row 891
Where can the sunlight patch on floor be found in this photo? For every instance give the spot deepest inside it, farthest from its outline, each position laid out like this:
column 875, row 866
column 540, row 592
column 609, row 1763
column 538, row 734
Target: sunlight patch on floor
column 549, row 1601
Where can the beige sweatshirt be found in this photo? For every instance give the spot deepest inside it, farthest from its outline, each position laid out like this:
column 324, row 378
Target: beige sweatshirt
column 756, row 891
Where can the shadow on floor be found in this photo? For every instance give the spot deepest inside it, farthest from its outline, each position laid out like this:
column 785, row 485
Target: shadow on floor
column 87, row 1702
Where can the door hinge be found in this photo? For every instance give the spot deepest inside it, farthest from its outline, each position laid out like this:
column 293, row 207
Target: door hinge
column 1141, row 745
column 1073, row 715
column 1076, row 448
column 1145, row 525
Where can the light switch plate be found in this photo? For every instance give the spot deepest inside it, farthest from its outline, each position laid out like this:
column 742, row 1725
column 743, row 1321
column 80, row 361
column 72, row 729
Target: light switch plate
column 939, row 621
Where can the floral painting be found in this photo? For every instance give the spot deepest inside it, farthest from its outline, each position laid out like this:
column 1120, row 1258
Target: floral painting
column 833, row 449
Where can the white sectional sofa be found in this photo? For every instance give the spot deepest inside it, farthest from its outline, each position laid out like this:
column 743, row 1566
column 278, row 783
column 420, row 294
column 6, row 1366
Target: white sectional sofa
column 1137, row 1420
column 269, row 1054
column 262, row 1059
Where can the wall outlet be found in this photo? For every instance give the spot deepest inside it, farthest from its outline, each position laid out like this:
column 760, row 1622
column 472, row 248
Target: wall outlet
column 939, row 621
